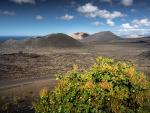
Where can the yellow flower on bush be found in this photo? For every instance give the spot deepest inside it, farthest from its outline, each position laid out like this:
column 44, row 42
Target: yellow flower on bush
column 142, row 80
column 106, row 67
column 74, row 67
column 105, row 85
column 130, row 72
column 43, row 92
column 114, row 69
column 89, row 84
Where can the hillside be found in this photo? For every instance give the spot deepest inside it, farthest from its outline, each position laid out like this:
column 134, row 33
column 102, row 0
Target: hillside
column 105, row 36
column 52, row 40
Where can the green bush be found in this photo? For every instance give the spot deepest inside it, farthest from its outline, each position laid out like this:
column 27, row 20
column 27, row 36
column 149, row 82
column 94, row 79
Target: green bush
column 107, row 87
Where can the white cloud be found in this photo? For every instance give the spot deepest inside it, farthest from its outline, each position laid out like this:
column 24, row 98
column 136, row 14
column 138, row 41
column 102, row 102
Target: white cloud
column 89, row 10
column 7, row 13
column 128, row 26
column 127, row 2
column 23, row 1
column 108, row 15
column 135, row 31
column 129, row 29
column 39, row 17
column 134, row 36
column 110, row 23
column 97, row 23
column 136, row 27
column 142, row 22
column 67, row 17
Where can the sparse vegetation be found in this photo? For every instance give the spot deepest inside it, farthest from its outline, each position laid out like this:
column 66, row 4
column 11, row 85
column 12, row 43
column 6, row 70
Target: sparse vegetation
column 107, row 87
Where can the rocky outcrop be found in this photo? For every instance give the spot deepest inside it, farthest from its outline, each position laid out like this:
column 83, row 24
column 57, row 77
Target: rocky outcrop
column 79, row 35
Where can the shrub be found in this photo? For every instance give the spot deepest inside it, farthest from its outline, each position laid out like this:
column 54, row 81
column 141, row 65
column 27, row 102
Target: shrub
column 107, row 87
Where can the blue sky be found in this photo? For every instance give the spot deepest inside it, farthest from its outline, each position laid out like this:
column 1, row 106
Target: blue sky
column 41, row 17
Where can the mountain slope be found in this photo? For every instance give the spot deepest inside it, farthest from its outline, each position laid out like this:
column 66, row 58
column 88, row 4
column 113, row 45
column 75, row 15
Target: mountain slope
column 105, row 36
column 52, row 40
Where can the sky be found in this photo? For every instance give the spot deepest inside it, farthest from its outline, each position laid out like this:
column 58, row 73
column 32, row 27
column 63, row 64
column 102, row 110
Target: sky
column 42, row 17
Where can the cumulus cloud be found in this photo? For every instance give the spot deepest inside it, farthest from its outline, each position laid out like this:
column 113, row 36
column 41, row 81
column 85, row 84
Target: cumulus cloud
column 23, row 1
column 97, row 23
column 110, row 23
column 142, row 22
column 67, row 17
column 128, row 26
column 108, row 15
column 135, row 31
column 39, row 17
column 127, row 2
column 89, row 10
column 7, row 13
column 136, row 27
column 134, row 36
column 129, row 29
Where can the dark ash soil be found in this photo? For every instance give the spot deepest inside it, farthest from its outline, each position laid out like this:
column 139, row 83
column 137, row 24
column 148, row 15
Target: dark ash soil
column 23, row 72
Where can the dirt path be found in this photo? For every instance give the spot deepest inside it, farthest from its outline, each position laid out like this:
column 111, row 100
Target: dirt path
column 6, row 84
column 18, row 95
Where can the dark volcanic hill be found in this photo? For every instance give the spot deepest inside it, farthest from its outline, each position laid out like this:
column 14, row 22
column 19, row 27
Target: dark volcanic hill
column 105, row 36
column 52, row 40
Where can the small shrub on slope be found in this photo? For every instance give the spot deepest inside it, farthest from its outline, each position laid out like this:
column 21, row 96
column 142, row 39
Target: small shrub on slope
column 107, row 87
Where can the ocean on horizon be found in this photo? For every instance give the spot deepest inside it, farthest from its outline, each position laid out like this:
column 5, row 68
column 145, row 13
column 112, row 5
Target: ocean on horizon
column 4, row 38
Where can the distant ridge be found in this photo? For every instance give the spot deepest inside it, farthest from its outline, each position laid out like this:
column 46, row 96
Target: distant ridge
column 104, row 36
column 140, row 40
column 52, row 40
